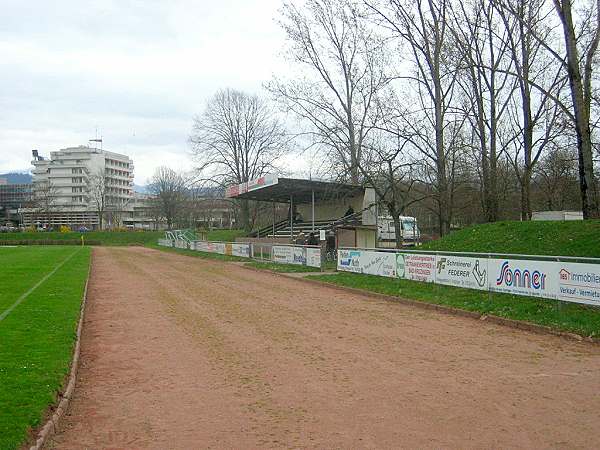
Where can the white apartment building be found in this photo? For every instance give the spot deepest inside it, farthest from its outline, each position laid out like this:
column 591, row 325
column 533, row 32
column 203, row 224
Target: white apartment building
column 66, row 177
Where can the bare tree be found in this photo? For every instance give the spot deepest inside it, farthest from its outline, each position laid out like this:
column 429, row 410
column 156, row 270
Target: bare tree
column 556, row 178
column 424, row 26
column 344, row 67
column 392, row 172
column 536, row 120
column 45, row 196
column 487, row 88
column 169, row 190
column 238, row 138
column 97, row 189
column 575, row 54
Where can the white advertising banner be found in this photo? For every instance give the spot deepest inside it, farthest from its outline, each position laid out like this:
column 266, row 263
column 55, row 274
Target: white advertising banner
column 577, row 282
column 181, row 244
column 282, row 254
column 368, row 262
column 242, row 250
column 462, row 271
column 572, row 282
column 313, row 257
column 418, row 267
column 378, row 263
column 210, row 247
column 523, row 277
column 299, row 256
column 349, row 261
column 216, row 247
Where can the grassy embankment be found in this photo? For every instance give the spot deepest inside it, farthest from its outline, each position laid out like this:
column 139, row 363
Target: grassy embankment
column 573, row 238
column 535, row 238
column 38, row 334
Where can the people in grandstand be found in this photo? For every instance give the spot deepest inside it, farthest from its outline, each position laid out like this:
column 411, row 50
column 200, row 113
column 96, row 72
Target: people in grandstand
column 312, row 239
column 349, row 211
column 300, row 239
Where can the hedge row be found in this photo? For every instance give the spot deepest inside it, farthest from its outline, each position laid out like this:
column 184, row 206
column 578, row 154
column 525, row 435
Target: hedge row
column 50, row 242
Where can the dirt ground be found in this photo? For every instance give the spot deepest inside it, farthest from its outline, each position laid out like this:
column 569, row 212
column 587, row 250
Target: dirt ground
column 180, row 352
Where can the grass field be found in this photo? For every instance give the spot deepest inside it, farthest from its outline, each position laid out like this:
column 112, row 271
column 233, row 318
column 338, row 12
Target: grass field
column 580, row 319
column 37, row 335
column 573, row 238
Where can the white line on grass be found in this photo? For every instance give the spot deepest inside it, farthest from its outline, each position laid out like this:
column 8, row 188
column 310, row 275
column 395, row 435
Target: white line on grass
column 26, row 294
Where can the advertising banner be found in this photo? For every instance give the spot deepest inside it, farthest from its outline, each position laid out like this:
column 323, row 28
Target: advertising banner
column 299, row 256
column 572, row 282
column 201, row 246
column 577, row 282
column 349, row 261
column 417, row 267
column 242, row 250
column 210, row 247
column 181, row 244
column 313, row 257
column 217, row 247
column 368, row 262
column 282, row 254
column 378, row 263
column 523, row 277
column 461, row 271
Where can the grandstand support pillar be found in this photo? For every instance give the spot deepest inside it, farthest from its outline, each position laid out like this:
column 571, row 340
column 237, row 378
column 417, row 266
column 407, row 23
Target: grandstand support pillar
column 291, row 218
column 313, row 210
column 273, row 234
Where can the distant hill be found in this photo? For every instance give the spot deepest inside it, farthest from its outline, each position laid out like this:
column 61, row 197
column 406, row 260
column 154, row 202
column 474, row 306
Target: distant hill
column 17, row 178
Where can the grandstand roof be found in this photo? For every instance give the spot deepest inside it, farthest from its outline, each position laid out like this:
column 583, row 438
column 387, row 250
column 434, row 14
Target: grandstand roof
column 274, row 189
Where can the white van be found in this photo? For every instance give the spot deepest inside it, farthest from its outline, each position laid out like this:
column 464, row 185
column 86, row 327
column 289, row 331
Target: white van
column 386, row 233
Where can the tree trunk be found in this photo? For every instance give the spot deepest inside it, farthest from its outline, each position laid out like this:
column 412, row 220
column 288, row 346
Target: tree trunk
column 245, row 215
column 526, row 194
column 581, row 106
column 397, row 225
column 442, row 181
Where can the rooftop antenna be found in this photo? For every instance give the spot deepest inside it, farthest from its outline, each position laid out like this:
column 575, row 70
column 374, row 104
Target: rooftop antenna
column 96, row 139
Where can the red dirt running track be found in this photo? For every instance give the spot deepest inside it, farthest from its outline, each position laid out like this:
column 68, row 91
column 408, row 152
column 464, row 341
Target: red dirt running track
column 181, row 352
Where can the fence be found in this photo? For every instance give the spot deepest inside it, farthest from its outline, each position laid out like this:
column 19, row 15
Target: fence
column 553, row 277
column 305, row 255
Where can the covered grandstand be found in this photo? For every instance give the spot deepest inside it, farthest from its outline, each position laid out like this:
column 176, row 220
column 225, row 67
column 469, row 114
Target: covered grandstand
column 314, row 205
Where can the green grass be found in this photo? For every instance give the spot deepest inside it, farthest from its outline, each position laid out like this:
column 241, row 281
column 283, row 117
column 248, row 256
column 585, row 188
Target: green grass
column 572, row 238
column 36, row 337
column 284, row 268
column 224, row 235
column 104, row 237
column 580, row 319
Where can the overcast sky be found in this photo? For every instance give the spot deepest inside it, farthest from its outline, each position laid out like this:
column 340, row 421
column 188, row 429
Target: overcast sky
column 137, row 70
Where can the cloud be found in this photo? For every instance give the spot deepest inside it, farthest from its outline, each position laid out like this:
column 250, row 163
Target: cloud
column 137, row 70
